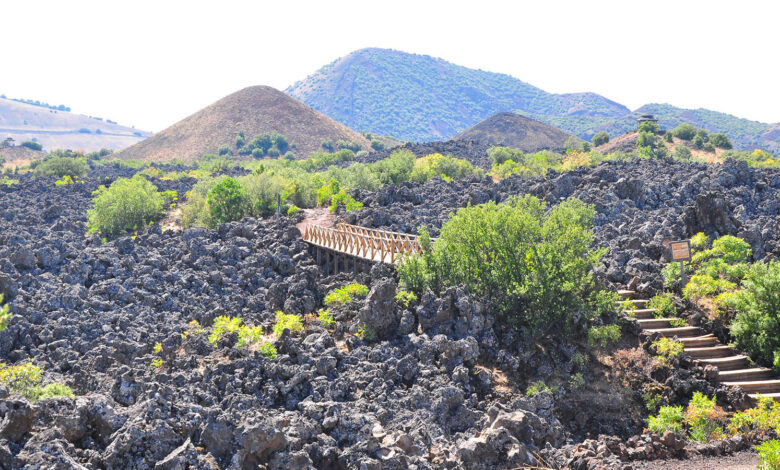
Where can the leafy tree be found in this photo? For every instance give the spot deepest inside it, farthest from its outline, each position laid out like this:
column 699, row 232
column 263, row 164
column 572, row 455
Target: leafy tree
column 646, row 139
column 126, row 205
column 600, row 138
column 649, row 126
column 682, row 152
column 377, row 144
column 698, row 141
column 756, row 328
column 224, row 149
column 720, row 141
column 348, row 144
column 499, row 155
column 32, row 145
column 533, row 265
column 437, row 164
column 226, row 201
column 328, row 145
column 684, row 131
column 62, row 166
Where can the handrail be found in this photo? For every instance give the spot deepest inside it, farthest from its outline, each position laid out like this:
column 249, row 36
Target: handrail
column 371, row 244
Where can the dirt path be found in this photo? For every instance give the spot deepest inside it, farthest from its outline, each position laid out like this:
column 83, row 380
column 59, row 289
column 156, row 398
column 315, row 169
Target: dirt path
column 746, row 460
column 317, row 216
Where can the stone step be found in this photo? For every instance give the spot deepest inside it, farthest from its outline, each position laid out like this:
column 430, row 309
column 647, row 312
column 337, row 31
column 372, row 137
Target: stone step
column 655, row 323
column 681, row 332
column 768, row 386
column 774, row 396
column 756, row 373
column 728, row 363
column 626, row 294
column 700, row 341
column 709, row 352
column 642, row 313
column 634, row 302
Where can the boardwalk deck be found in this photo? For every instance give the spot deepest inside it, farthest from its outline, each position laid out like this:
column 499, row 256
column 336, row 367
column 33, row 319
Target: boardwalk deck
column 378, row 246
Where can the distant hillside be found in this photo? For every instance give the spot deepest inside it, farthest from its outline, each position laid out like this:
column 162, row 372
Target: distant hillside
column 745, row 134
column 55, row 128
column 516, row 131
column 254, row 110
column 421, row 98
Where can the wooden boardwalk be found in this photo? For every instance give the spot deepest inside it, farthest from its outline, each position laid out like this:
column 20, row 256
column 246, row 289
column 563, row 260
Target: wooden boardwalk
column 361, row 243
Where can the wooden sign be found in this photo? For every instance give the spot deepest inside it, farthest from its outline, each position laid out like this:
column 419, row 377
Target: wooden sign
column 681, row 250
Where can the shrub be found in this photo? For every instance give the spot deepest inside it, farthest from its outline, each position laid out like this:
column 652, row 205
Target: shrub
column 769, row 455
column 756, row 328
column 405, row 298
column 377, row 144
column 224, row 150
column 268, row 350
column 5, row 315
column 532, row 265
column 682, row 153
column 600, row 138
column 667, row 349
column 499, row 155
column 684, row 131
column 366, row 333
column 328, row 145
column 224, row 325
column 669, row 418
column 604, row 302
column 668, row 137
column 699, row 241
column 32, row 145
column 285, row 321
column 434, row 165
column 249, row 335
column 649, row 127
column 698, row 141
column 345, row 294
column 26, row 379
column 342, row 199
column 293, row 210
column 703, row 418
column 720, row 141
column 6, row 181
column 663, row 304
column 538, row 387
column 54, row 390
column 646, row 139
column 703, row 285
column 226, row 201
column 348, row 144
column 62, row 166
column 326, row 318
column 764, row 417
column 603, row 336
column 128, row 204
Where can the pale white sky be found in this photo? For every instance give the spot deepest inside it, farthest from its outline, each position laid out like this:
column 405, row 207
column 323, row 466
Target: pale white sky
column 151, row 63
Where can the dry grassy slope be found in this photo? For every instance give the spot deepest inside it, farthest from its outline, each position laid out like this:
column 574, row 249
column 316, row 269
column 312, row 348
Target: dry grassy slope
column 19, row 156
column 627, row 143
column 60, row 129
column 516, row 131
column 254, row 110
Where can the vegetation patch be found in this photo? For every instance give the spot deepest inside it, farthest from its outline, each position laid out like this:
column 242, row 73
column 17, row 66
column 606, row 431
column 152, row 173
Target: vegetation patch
column 285, row 321
column 26, row 379
column 603, row 336
column 127, row 205
column 346, row 294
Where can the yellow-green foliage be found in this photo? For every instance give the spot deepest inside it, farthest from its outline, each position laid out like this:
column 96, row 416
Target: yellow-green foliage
column 249, row 335
column 405, row 298
column 431, row 166
column 699, row 241
column 366, row 333
column 157, row 362
column 663, row 304
column 268, row 350
column 128, row 204
column 669, row 418
column 764, row 417
column 704, row 418
column 326, row 318
column 66, row 180
column 345, row 294
column 667, row 349
column 224, row 325
column 603, row 336
column 537, row 387
column 293, row 210
column 6, row 181
column 158, row 348
column 769, row 455
column 5, row 315
column 286, row 321
column 704, row 285
column 26, row 379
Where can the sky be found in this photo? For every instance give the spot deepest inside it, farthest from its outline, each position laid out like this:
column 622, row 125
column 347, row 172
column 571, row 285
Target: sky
column 152, row 63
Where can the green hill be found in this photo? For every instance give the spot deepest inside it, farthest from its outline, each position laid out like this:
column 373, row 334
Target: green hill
column 420, row 98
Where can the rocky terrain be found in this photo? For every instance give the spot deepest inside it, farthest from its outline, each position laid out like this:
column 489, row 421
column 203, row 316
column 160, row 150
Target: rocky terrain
column 441, row 386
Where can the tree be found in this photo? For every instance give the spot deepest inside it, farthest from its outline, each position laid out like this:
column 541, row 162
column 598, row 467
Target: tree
column 61, row 166
column 600, row 138
column 126, row 205
column 646, row 139
column 32, row 145
column 684, row 131
column 224, row 149
column 377, row 144
column 720, row 141
column 226, row 201
column 649, row 126
column 499, row 155
column 682, row 152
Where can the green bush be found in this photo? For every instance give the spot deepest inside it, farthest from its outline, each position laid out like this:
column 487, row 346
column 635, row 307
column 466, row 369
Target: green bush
column 499, row 155
column 646, row 139
column 667, row 349
column 703, row 418
column 403, row 297
column 128, row 204
column 669, row 137
column 268, row 350
column 32, row 145
column 224, row 324
column 684, row 131
column 62, row 166
column 533, row 265
column 603, row 336
column 764, row 417
column 437, row 164
column 756, row 328
column 286, row 321
column 663, row 304
column 681, row 152
column 377, row 144
column 325, row 318
column 699, row 241
column 604, row 302
column 54, row 391
column 649, row 127
column 342, row 199
column 293, row 210
column 346, row 294
column 26, row 380
column 5, row 315
column 226, row 201
column 669, row 418
column 600, row 138
column 249, row 335
column 538, row 387
column 698, row 141
column 769, row 455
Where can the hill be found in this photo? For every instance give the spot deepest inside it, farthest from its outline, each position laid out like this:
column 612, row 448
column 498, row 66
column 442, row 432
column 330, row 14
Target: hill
column 516, row 131
column 58, row 128
column 421, row 98
column 254, row 110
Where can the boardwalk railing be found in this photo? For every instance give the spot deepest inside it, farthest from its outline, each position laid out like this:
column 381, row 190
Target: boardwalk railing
column 368, row 244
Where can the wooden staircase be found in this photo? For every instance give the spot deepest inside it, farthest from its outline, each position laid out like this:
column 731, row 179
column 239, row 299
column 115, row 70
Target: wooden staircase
column 733, row 369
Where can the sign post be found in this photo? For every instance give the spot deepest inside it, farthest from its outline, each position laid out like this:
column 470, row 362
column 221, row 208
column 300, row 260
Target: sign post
column 681, row 251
